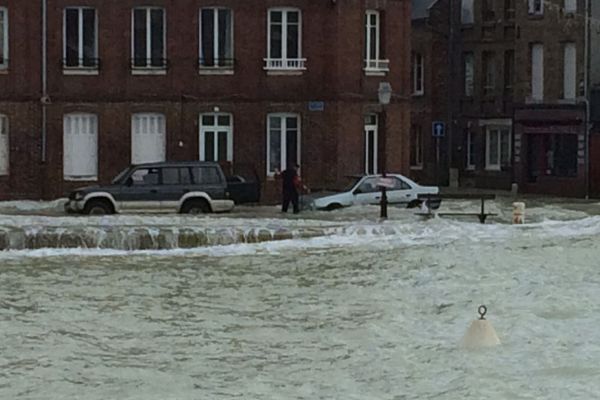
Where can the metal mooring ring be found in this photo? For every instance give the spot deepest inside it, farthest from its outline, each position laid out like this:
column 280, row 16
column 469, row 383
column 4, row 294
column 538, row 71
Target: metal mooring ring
column 482, row 310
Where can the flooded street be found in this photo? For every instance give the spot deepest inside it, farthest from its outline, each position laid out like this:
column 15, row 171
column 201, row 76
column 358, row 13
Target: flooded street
column 353, row 309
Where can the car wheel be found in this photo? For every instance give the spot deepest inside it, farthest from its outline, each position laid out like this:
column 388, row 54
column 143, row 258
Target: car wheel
column 333, row 206
column 195, row 207
column 98, row 207
column 414, row 204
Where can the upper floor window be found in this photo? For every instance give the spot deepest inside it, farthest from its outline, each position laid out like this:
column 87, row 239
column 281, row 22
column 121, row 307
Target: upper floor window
column 467, row 16
column 489, row 72
column 4, row 147
column 537, row 71
column 284, row 51
column 80, row 147
column 570, row 71
column 374, row 61
column 283, row 142
column 509, row 70
column 487, row 10
column 216, row 38
column 80, row 38
column 509, row 10
column 570, row 6
column 148, row 38
column 469, row 73
column 417, row 74
column 536, row 7
column 3, row 38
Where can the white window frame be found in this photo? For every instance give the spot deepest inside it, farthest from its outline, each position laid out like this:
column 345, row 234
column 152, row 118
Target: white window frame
column 467, row 12
column 470, row 156
column 4, row 49
column 500, row 130
column 148, row 68
column 377, row 66
column 92, row 125
column 537, row 71
column 570, row 71
column 80, row 68
column 418, row 165
column 570, row 6
column 536, row 7
column 374, row 156
column 216, row 128
column 4, row 146
column 418, row 68
column 283, row 133
column 217, row 68
column 284, row 63
column 161, row 121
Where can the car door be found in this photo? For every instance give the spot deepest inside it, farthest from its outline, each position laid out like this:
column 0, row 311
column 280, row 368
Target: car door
column 209, row 179
column 141, row 191
column 367, row 191
column 402, row 192
column 176, row 182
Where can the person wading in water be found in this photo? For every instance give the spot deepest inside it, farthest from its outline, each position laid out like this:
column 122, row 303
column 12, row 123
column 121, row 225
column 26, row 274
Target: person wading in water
column 290, row 188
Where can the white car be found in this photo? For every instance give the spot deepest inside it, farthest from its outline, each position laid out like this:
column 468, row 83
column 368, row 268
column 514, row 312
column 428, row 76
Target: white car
column 366, row 190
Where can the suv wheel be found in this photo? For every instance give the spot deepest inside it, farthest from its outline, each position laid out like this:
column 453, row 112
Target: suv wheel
column 98, row 207
column 195, row 207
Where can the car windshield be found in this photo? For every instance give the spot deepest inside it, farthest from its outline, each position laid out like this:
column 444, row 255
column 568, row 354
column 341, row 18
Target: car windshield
column 119, row 177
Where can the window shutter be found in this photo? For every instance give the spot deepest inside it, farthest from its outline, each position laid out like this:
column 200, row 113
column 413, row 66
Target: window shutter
column 148, row 138
column 80, row 147
column 4, row 149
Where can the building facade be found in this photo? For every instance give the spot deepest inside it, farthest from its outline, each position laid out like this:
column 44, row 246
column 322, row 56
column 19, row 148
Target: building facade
column 88, row 87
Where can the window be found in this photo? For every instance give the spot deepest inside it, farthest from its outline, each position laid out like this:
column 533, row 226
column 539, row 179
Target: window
column 552, row 155
column 176, row 176
column 283, row 141
column 148, row 138
column 285, row 40
column 416, row 147
column 570, row 71
column 80, row 147
column 206, row 175
column 369, row 185
column 144, row 176
column 466, row 12
column 509, row 70
column 487, row 10
column 374, row 62
column 417, row 74
column 570, row 6
column 537, row 72
column 216, row 38
column 4, row 146
column 80, row 38
column 489, row 72
column 497, row 154
column 3, row 38
column 148, row 38
column 469, row 60
column 470, row 146
column 371, row 147
column 216, row 137
column 536, row 7
column 399, row 184
column 509, row 10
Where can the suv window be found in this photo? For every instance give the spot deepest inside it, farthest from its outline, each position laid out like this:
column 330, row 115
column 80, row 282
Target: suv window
column 170, row 176
column 206, row 175
column 144, row 176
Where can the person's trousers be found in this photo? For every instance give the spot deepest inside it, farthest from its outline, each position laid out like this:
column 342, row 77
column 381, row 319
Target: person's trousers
column 290, row 197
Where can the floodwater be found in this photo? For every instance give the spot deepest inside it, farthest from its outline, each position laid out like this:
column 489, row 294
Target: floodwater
column 364, row 310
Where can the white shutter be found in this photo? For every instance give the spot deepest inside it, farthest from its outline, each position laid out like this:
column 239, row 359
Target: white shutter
column 537, row 72
column 4, row 149
column 570, row 71
column 80, row 147
column 148, row 138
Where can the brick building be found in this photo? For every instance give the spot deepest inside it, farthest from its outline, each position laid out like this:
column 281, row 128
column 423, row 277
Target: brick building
column 518, row 89
column 88, row 87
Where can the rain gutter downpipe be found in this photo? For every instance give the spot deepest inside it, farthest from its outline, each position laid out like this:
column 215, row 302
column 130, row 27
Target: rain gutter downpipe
column 44, row 99
column 586, row 86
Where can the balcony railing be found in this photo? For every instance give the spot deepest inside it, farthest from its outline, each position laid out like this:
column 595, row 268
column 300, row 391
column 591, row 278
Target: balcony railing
column 377, row 65
column 149, row 63
column 216, row 63
column 81, row 63
column 285, row 64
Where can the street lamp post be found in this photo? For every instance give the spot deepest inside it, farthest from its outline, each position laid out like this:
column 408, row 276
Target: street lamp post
column 384, row 94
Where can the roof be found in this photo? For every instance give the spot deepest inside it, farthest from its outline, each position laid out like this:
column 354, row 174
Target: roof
column 420, row 8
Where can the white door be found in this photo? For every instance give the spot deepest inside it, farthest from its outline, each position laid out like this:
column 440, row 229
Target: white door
column 80, row 147
column 216, row 137
column 371, row 144
column 4, row 146
column 148, row 138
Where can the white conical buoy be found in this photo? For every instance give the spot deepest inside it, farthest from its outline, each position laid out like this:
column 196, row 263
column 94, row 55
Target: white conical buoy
column 518, row 213
column 481, row 333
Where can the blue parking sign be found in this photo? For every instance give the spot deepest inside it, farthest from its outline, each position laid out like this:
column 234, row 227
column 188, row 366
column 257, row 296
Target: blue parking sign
column 438, row 129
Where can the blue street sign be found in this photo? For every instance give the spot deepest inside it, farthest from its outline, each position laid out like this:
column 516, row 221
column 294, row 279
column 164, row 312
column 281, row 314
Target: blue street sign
column 438, row 129
column 316, row 106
